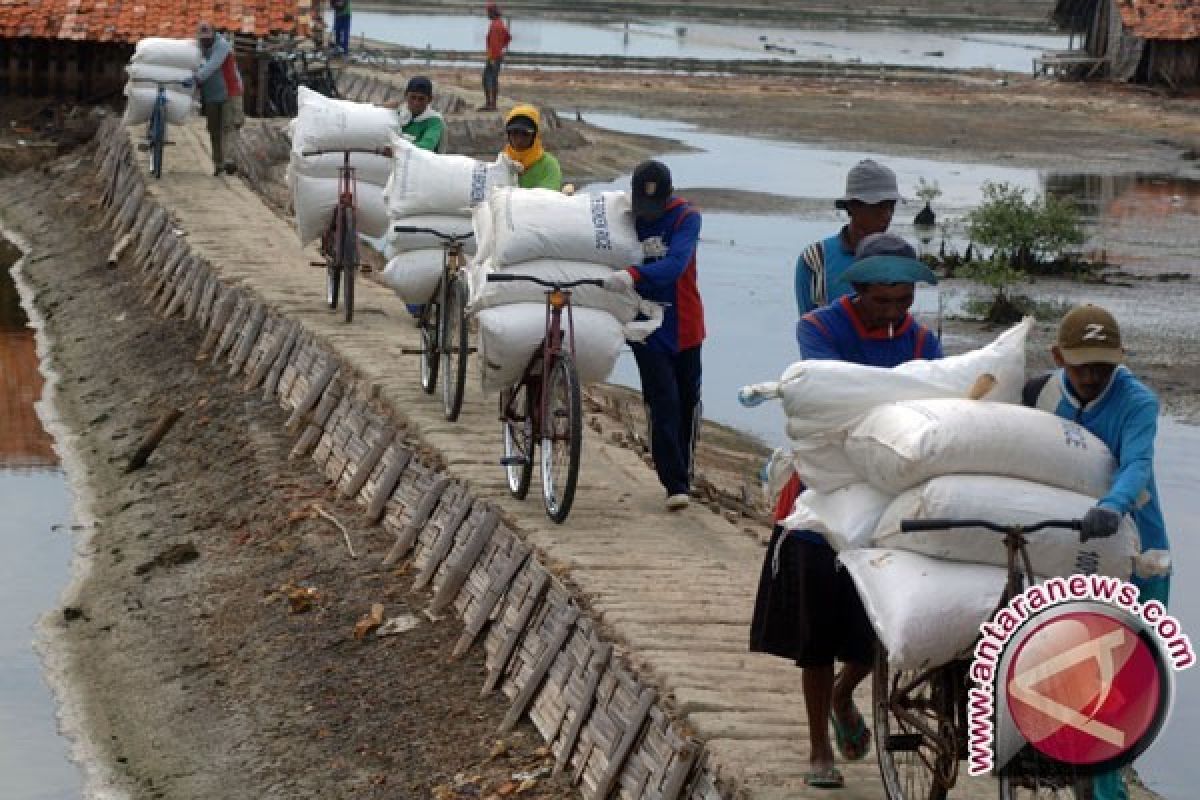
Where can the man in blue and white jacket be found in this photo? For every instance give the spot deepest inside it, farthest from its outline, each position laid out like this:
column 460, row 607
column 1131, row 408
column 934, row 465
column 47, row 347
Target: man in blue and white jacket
column 1094, row 389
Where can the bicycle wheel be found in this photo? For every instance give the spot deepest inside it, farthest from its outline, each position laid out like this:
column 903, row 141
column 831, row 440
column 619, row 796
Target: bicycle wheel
column 916, row 743
column 562, row 437
column 454, row 347
column 348, row 255
column 1030, row 776
column 431, row 321
column 158, row 137
column 516, row 415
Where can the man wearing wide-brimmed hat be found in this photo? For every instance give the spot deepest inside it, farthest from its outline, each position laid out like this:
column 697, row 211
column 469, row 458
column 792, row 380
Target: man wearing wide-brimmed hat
column 869, row 200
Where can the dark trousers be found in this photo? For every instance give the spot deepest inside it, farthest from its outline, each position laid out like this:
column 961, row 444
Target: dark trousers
column 671, row 392
column 341, row 32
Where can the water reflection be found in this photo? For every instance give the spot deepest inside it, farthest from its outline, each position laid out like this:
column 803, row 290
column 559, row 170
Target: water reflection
column 663, row 39
column 23, row 441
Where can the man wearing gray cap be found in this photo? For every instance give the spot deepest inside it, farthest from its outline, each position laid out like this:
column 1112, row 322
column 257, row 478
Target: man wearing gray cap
column 870, row 200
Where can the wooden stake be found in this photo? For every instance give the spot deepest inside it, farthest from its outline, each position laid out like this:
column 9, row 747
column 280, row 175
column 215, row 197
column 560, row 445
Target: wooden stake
column 164, row 424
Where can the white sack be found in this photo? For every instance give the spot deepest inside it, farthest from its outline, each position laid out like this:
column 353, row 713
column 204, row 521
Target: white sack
column 414, row 275
column 485, row 239
column 509, row 335
column 926, row 612
column 315, row 198
column 846, row 517
column 484, row 294
column 1052, row 551
column 140, row 99
column 454, row 225
column 323, row 123
column 150, row 73
column 540, row 223
column 368, row 168
column 431, row 183
column 820, row 395
column 181, row 53
column 899, row 445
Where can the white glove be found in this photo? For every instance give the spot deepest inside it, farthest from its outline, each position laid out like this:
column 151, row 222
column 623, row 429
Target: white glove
column 568, row 189
column 653, row 248
column 1152, row 564
column 620, row 281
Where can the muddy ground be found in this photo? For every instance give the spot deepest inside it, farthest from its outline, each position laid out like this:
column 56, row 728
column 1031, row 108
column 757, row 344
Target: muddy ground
column 201, row 672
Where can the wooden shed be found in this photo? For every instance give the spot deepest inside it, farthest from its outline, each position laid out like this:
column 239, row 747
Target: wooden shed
column 78, row 49
column 1138, row 41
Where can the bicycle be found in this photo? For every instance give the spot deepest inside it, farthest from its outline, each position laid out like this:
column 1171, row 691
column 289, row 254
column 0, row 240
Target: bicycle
column 339, row 242
column 156, row 131
column 546, row 404
column 920, row 716
column 443, row 324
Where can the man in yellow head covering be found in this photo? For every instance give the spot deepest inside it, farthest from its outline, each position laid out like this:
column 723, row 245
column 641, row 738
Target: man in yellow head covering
column 539, row 169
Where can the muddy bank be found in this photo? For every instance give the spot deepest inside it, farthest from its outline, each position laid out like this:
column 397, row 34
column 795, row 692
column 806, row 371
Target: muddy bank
column 187, row 658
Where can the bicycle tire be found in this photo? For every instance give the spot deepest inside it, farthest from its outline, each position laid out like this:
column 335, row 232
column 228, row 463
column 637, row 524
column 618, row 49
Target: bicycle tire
column 158, row 137
column 518, row 438
column 430, row 324
column 905, row 752
column 1033, row 778
column 561, row 448
column 348, row 256
column 454, row 348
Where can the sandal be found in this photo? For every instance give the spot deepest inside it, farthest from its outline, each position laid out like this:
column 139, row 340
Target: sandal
column 853, row 740
column 828, row 778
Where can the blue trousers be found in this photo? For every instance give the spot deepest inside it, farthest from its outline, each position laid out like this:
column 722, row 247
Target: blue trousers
column 341, row 32
column 671, row 392
column 1110, row 785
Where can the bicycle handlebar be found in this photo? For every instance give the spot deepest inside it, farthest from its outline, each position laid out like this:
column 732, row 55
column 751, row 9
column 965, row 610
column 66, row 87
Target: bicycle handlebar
column 375, row 151
column 451, row 238
column 185, row 83
column 915, row 525
column 502, row 277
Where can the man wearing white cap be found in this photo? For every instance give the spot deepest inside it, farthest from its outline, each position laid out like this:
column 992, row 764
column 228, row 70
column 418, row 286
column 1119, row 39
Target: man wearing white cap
column 870, row 200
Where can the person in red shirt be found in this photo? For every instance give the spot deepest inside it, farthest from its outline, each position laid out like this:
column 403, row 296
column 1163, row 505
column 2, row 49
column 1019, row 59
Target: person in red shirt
column 498, row 38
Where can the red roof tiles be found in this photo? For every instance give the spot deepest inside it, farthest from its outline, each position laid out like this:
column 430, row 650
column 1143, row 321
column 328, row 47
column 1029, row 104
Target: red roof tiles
column 1161, row 19
column 131, row 20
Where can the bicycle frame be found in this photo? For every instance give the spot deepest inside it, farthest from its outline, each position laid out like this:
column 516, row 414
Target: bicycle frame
column 556, row 301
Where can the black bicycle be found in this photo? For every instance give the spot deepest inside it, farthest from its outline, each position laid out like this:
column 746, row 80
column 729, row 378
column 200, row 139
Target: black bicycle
column 920, row 716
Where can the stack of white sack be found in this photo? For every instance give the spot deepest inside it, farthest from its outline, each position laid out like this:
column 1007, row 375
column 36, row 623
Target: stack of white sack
column 436, row 191
column 554, row 237
column 157, row 60
column 938, row 454
column 323, row 123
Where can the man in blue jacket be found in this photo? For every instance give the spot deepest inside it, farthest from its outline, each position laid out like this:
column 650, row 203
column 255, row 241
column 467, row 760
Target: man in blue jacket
column 669, row 360
column 1093, row 388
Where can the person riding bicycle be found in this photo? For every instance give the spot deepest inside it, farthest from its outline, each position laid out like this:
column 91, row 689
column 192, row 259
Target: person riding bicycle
column 669, row 360
column 523, row 130
column 1092, row 387
column 807, row 609
column 870, row 201
column 221, row 93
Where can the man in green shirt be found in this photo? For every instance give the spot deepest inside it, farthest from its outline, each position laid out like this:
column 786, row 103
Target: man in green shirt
column 425, row 127
column 539, row 169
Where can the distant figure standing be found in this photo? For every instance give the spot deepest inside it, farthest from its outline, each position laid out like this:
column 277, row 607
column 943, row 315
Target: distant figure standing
column 220, row 85
column 498, row 38
column 341, row 25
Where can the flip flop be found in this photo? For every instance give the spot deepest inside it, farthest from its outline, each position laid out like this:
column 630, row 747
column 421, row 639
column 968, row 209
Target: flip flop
column 854, row 740
column 829, row 778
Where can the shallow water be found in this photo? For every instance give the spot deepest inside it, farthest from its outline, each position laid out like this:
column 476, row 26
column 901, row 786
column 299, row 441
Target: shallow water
column 1007, row 52
column 35, row 554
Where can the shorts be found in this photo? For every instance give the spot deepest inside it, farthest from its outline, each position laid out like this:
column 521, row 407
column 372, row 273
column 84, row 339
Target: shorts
column 808, row 609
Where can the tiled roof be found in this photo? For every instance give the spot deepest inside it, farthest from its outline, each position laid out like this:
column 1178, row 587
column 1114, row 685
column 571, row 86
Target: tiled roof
column 1161, row 19
column 131, row 20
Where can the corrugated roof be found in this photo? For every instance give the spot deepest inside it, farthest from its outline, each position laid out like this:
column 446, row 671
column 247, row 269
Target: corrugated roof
column 131, row 20
column 1161, row 19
